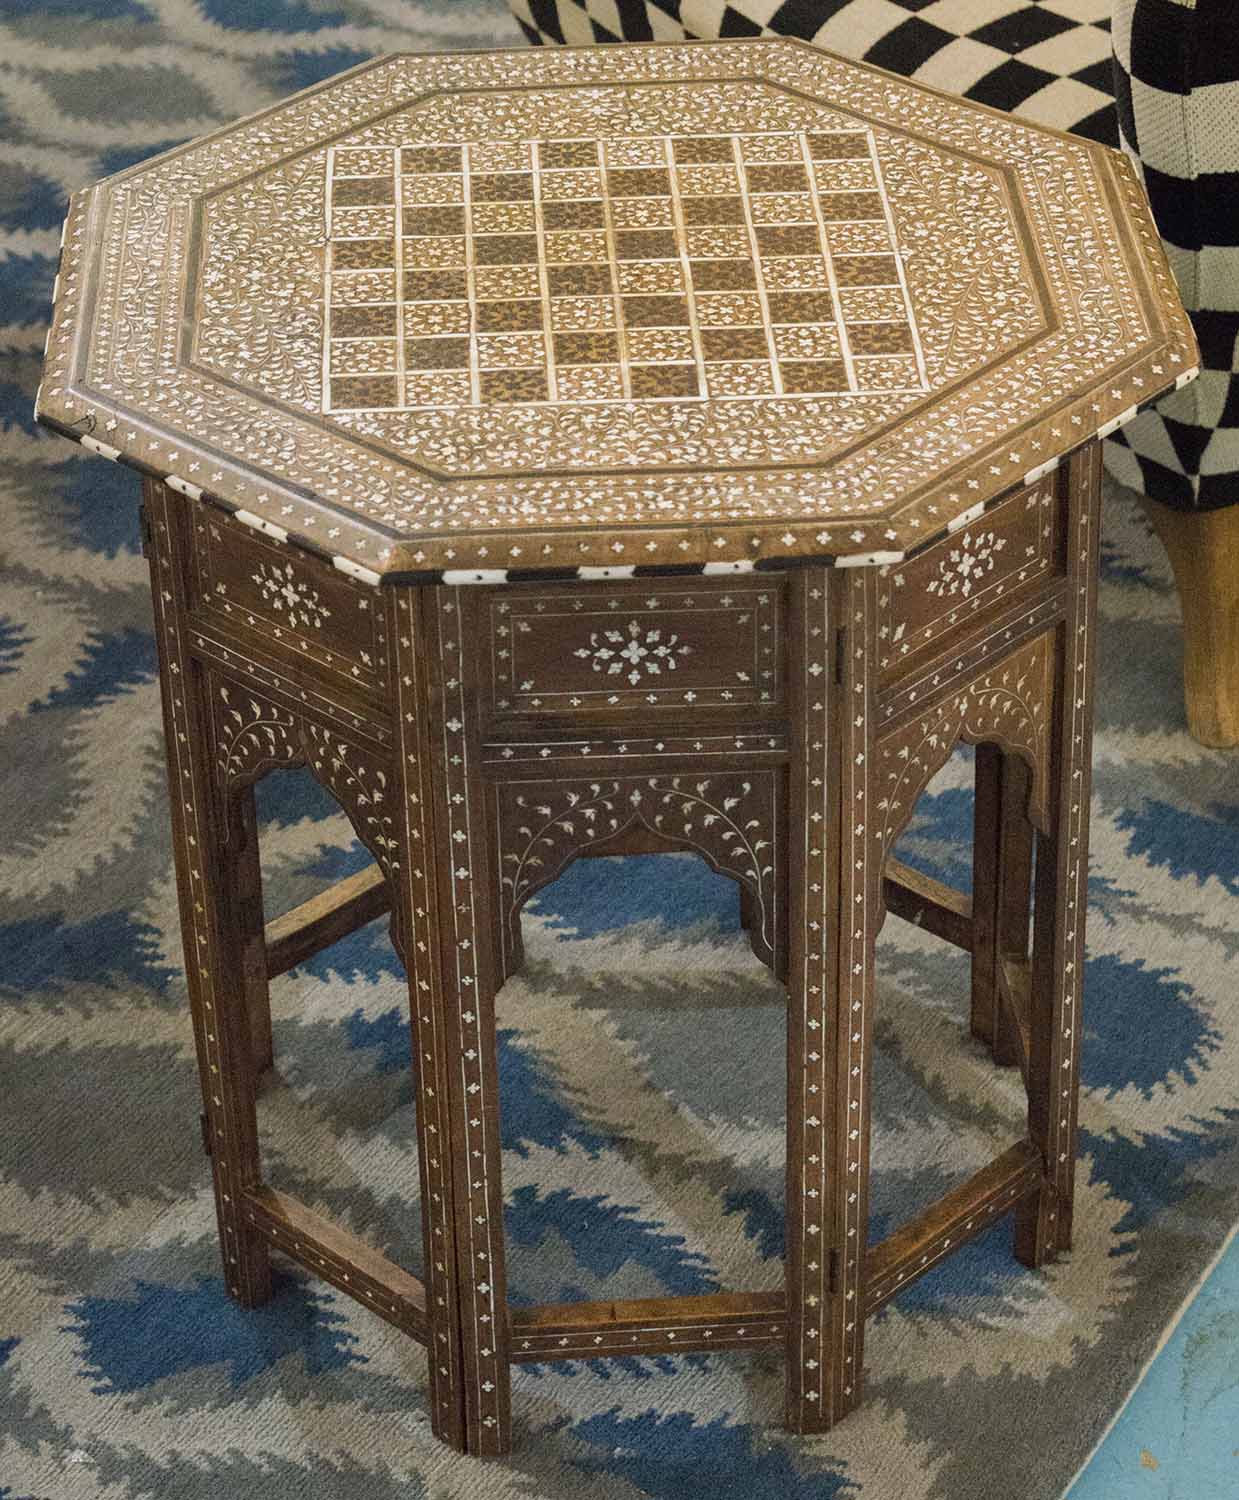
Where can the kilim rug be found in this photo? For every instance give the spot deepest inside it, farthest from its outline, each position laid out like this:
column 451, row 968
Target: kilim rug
column 641, row 1048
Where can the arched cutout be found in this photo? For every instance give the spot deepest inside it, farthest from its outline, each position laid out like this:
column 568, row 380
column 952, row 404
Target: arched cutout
column 732, row 820
column 960, row 874
column 254, row 736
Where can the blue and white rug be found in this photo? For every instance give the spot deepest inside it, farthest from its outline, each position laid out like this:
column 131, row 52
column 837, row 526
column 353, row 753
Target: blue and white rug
column 641, row 1048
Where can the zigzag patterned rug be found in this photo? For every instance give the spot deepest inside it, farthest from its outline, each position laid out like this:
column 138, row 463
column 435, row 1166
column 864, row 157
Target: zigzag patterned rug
column 641, row 1047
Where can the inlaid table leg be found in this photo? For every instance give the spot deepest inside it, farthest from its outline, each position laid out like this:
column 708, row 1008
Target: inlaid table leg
column 1043, row 1223
column 1001, row 890
column 835, row 877
column 247, row 877
column 453, row 979
column 216, row 856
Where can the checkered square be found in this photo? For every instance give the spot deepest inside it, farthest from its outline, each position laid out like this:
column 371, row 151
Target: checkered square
column 1174, row 76
column 553, row 270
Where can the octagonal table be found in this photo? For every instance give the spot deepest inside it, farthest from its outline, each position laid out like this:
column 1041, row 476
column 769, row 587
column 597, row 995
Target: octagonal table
column 583, row 452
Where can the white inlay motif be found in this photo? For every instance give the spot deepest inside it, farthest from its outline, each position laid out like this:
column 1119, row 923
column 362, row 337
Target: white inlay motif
column 285, row 592
column 963, row 566
column 633, row 651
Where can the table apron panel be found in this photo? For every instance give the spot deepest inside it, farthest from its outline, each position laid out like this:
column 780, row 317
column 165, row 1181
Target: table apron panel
column 321, row 625
column 963, row 582
column 641, row 649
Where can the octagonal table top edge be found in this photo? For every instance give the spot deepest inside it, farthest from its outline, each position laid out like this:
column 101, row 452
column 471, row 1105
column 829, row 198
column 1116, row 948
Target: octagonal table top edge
column 724, row 528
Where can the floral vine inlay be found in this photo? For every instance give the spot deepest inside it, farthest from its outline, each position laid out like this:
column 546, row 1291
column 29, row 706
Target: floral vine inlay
column 728, row 819
column 633, row 651
column 253, row 736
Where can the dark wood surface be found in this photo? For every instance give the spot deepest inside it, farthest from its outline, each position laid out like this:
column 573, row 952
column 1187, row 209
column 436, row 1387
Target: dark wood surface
column 471, row 795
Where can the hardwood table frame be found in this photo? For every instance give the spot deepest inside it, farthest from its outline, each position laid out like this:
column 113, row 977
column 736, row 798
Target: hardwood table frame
column 388, row 695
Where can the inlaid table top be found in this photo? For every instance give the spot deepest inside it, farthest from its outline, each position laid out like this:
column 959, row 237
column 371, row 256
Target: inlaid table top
column 713, row 305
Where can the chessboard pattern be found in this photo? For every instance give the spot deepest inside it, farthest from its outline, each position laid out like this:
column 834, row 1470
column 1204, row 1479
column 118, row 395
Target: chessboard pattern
column 643, row 268
column 1047, row 61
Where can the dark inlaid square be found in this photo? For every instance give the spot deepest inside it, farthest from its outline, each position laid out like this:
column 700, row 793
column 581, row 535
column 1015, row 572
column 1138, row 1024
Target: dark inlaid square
column 721, row 209
column 363, row 390
column 513, row 385
column 568, row 154
column 505, row 249
column 703, row 148
column 579, row 281
column 865, row 270
column 445, row 219
column 638, row 182
column 788, row 239
column 347, row 191
column 435, row 286
column 646, row 244
column 501, row 187
column 510, row 316
column 665, row 380
column 814, row 375
column 586, row 348
column 361, row 255
column 837, row 145
column 801, row 307
column 363, row 322
column 880, row 338
column 723, row 275
column 584, row 213
column 430, row 159
column 787, row 178
column 655, row 312
column 734, row 343
column 436, row 354
column 837, row 206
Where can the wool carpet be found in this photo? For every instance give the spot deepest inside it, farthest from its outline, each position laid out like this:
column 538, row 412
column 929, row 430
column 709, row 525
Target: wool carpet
column 641, row 1047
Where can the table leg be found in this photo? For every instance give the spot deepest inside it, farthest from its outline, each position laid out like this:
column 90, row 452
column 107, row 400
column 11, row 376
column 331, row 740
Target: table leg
column 216, row 856
column 1043, row 1224
column 1001, row 890
column 453, row 978
column 247, row 878
column 835, row 878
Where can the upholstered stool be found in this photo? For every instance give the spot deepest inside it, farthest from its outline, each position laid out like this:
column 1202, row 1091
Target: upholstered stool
column 561, row 452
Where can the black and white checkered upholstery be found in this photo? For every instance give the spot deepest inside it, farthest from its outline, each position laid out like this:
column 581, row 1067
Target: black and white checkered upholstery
column 1175, row 71
column 1046, row 60
column 1177, row 90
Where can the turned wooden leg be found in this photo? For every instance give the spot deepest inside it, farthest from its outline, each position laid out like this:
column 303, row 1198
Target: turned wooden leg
column 1043, row 1220
column 1001, row 891
column 1203, row 547
column 211, row 854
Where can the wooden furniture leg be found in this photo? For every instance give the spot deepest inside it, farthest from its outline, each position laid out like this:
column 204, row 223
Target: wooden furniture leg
column 1203, row 547
column 216, row 858
column 1002, row 892
column 1043, row 1220
column 809, row 1269
column 247, row 875
column 453, row 979
column 860, row 864
column 834, row 902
